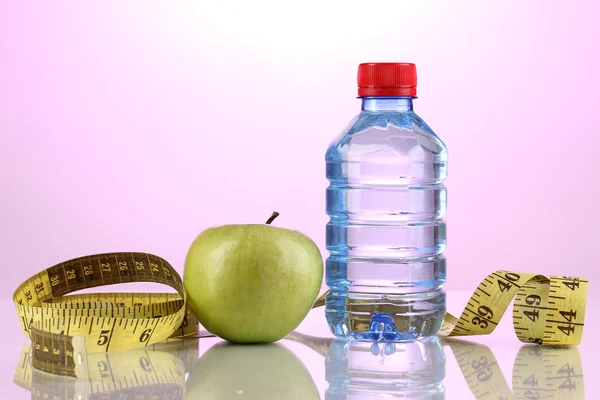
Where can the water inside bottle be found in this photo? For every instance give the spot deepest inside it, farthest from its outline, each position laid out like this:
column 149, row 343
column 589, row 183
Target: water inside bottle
column 386, row 234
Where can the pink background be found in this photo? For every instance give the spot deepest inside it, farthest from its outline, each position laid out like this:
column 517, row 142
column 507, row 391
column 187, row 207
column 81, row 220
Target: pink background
column 133, row 126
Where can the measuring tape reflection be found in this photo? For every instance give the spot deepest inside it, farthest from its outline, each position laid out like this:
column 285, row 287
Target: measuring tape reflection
column 539, row 372
column 154, row 373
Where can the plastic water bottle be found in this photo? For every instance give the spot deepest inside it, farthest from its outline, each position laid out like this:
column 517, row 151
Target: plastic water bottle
column 386, row 201
column 410, row 370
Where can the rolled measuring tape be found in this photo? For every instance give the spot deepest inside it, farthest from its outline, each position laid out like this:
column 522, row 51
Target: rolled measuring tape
column 65, row 328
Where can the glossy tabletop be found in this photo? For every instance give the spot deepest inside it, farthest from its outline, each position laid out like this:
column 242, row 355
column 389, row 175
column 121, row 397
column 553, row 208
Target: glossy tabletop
column 310, row 364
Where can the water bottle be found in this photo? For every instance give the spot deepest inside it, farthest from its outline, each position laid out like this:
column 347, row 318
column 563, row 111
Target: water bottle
column 385, row 203
column 383, row 370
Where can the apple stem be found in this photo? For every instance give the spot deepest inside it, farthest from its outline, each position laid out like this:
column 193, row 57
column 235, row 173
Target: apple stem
column 272, row 217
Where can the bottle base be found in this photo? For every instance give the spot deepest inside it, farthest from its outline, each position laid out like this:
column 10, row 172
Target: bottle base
column 385, row 317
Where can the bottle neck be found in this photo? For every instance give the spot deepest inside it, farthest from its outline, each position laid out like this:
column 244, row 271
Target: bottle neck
column 389, row 104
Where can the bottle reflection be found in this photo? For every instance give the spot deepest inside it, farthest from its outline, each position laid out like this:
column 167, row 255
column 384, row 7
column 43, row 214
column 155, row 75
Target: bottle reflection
column 539, row 372
column 363, row 370
column 264, row 371
column 155, row 373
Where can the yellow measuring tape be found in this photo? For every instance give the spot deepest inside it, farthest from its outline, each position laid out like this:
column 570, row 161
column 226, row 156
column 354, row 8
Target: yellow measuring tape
column 546, row 311
column 64, row 329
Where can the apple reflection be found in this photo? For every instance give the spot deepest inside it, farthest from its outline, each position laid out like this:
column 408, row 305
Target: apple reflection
column 264, row 371
column 370, row 370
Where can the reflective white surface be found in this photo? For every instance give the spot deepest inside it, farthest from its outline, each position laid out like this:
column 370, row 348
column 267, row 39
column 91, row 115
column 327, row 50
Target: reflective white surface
column 310, row 364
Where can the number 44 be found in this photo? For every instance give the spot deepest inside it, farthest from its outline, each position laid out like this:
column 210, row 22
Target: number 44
column 572, row 284
column 567, row 330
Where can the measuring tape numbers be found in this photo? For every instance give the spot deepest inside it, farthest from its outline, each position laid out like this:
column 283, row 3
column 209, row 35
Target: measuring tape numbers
column 546, row 311
column 64, row 329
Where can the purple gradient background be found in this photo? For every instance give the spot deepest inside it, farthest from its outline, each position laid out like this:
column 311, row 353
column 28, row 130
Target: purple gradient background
column 133, row 126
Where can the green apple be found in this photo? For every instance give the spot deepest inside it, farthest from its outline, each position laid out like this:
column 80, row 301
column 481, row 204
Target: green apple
column 252, row 283
column 266, row 371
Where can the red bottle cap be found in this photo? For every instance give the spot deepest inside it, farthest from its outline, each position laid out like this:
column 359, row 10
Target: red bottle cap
column 387, row 79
